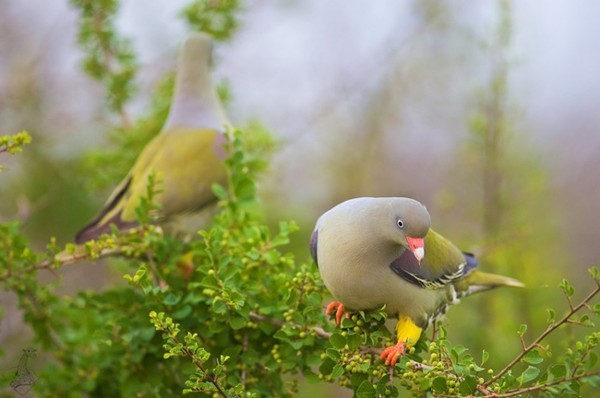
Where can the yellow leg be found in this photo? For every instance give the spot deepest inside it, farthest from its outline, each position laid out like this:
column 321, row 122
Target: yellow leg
column 408, row 334
column 407, row 331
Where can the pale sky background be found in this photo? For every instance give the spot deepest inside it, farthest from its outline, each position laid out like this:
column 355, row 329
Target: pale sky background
column 294, row 63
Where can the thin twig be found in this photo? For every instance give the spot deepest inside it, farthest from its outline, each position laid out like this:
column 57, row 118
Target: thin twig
column 65, row 259
column 525, row 390
column 187, row 353
column 485, row 391
column 546, row 332
column 279, row 323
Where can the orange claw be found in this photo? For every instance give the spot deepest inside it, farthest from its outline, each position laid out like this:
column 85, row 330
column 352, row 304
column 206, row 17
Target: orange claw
column 393, row 353
column 338, row 308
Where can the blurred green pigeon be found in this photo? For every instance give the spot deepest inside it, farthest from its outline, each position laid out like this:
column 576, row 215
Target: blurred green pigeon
column 376, row 251
column 187, row 156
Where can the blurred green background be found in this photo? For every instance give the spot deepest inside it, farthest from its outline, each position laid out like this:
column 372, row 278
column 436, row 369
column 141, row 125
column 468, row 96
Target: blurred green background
column 484, row 111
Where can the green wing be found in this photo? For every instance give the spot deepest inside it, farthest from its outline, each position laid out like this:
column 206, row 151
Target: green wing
column 443, row 263
column 187, row 164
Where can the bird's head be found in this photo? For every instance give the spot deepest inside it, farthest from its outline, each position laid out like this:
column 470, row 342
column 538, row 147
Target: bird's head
column 409, row 222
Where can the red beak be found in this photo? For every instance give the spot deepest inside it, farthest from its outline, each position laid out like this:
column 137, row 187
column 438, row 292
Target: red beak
column 417, row 247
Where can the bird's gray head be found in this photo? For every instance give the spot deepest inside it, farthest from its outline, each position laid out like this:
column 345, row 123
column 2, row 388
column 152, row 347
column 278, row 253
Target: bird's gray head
column 407, row 222
column 379, row 224
column 387, row 222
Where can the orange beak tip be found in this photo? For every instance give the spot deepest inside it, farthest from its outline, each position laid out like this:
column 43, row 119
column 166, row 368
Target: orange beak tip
column 417, row 247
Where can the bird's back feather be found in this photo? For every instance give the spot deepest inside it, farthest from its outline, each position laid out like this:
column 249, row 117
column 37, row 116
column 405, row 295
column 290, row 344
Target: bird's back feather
column 186, row 164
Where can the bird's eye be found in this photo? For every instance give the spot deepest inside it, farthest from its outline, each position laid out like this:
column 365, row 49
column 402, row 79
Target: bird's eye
column 400, row 223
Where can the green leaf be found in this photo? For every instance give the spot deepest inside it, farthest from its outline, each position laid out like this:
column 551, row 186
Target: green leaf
column 439, row 385
column 530, row 374
column 171, row 299
column 592, row 380
column 586, row 321
column 313, row 359
column 183, row 312
column 354, row 341
column 594, row 273
column 311, row 378
column 558, row 370
column 533, row 357
column 327, row 366
column 484, row 356
column 425, row 384
column 237, row 322
column 567, row 288
column 522, row 330
column 219, row 307
column 551, row 315
column 337, row 341
column 468, row 385
column 457, row 351
column 219, row 191
column 366, row 390
column 337, row 371
column 333, row 353
column 211, row 281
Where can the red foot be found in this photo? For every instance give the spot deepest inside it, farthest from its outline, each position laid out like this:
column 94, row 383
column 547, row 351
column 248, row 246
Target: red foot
column 338, row 308
column 393, row 353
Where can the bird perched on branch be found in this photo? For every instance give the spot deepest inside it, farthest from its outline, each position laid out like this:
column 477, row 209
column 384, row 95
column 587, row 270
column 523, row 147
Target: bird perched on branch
column 381, row 251
column 187, row 155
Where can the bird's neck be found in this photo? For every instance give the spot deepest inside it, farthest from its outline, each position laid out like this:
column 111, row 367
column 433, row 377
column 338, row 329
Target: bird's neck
column 195, row 103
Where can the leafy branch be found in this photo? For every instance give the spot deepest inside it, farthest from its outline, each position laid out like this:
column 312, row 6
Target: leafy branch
column 203, row 380
column 13, row 144
column 109, row 59
column 216, row 17
column 567, row 318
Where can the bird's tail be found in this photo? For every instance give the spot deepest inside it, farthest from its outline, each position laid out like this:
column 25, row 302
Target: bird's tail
column 478, row 281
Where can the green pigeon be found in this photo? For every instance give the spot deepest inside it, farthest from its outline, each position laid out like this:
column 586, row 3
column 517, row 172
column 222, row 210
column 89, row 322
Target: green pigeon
column 187, row 155
column 382, row 251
